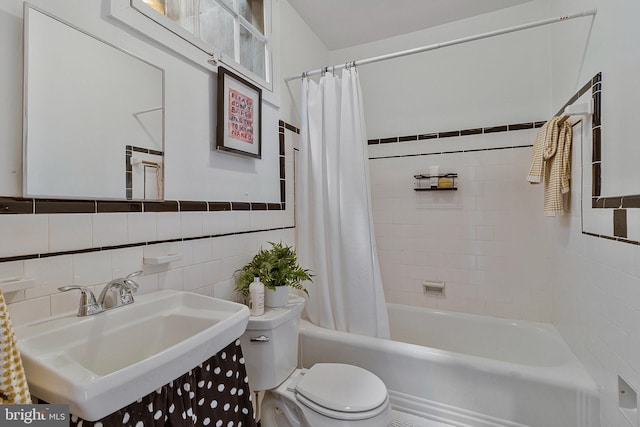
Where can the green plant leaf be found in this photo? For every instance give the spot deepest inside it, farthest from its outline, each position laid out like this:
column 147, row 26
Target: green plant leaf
column 276, row 266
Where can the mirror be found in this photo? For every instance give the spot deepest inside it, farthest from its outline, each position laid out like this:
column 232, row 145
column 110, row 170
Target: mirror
column 93, row 116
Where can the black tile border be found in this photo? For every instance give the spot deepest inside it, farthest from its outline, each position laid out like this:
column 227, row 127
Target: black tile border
column 616, row 204
column 53, row 206
column 620, row 223
column 133, row 245
column 466, row 132
column 219, row 206
column 165, row 206
column 455, row 133
column 11, row 205
column 437, row 153
column 240, row 206
column 283, row 187
column 118, row 206
column 193, row 206
column 617, row 239
column 21, row 205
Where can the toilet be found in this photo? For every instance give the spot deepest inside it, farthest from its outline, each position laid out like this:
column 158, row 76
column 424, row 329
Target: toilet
column 325, row 395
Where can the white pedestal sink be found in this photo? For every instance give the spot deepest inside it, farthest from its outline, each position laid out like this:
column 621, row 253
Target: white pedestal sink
column 101, row 363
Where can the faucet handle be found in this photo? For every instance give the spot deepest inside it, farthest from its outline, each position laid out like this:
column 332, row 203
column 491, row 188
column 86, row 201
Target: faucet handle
column 130, row 284
column 88, row 304
column 134, row 274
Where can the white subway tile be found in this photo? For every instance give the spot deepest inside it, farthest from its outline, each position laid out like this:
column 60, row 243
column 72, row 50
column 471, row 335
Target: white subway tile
column 193, row 277
column 92, row 268
column 185, row 248
column 23, row 235
column 142, row 227
column 30, row 310
column 126, row 261
column 243, row 221
column 207, row 291
column 69, row 232
column 109, row 229
column 227, row 222
column 202, row 250
column 171, row 279
column 212, row 272
column 258, row 220
column 12, row 269
column 192, row 224
column 211, row 222
column 224, row 290
column 65, row 302
column 169, row 225
column 49, row 274
column 147, row 283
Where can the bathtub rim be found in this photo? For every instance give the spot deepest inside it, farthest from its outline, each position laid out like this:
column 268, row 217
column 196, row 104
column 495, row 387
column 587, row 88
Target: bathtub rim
column 571, row 374
column 545, row 330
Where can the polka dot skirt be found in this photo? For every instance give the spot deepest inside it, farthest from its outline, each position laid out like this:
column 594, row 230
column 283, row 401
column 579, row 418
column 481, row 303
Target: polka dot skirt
column 215, row 393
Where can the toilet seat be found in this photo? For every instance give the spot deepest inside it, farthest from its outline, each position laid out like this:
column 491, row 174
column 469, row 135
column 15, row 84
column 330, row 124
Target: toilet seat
column 343, row 416
column 342, row 391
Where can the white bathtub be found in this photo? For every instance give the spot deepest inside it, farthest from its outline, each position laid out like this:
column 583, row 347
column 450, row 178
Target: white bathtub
column 467, row 370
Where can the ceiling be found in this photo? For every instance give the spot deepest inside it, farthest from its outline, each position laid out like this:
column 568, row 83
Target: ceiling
column 344, row 23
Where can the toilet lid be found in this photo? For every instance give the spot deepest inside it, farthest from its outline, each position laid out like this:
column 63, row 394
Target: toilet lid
column 343, row 388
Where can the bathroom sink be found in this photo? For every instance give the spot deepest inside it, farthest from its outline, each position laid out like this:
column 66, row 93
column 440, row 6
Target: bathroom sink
column 101, row 363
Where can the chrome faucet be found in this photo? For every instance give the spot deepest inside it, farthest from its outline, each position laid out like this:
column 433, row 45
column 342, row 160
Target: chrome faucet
column 116, row 293
column 88, row 304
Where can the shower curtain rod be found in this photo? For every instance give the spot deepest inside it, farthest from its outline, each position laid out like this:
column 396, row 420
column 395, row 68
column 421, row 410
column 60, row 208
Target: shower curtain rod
column 590, row 12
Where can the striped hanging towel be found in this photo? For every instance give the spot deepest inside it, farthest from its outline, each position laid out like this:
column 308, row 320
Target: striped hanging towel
column 552, row 161
column 13, row 383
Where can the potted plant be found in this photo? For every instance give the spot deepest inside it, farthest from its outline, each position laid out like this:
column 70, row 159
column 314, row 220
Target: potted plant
column 278, row 268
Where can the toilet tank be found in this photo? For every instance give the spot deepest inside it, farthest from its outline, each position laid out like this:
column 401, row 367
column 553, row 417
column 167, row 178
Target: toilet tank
column 270, row 345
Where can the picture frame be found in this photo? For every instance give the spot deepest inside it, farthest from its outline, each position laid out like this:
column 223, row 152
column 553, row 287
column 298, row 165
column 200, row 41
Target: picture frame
column 239, row 128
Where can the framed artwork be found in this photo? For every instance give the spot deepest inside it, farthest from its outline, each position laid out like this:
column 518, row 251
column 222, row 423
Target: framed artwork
column 239, row 115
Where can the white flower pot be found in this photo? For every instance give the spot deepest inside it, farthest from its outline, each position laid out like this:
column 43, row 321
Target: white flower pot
column 276, row 297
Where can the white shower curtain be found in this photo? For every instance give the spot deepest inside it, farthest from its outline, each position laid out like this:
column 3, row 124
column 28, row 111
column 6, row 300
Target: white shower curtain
column 334, row 220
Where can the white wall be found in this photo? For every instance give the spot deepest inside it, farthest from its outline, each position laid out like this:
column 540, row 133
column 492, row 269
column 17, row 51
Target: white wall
column 486, row 248
column 495, row 81
column 589, row 286
column 192, row 173
column 597, row 281
column 482, row 240
column 190, row 108
column 301, row 50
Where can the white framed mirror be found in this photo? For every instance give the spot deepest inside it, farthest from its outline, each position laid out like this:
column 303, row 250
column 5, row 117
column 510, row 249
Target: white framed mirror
column 93, row 116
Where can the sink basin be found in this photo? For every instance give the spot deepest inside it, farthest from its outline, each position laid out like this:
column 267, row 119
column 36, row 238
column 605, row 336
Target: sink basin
column 99, row 364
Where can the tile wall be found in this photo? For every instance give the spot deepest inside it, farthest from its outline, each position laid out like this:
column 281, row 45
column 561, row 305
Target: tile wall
column 483, row 240
column 62, row 242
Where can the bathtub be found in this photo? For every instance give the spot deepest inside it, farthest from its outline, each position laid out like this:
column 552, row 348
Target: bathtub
column 467, row 370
